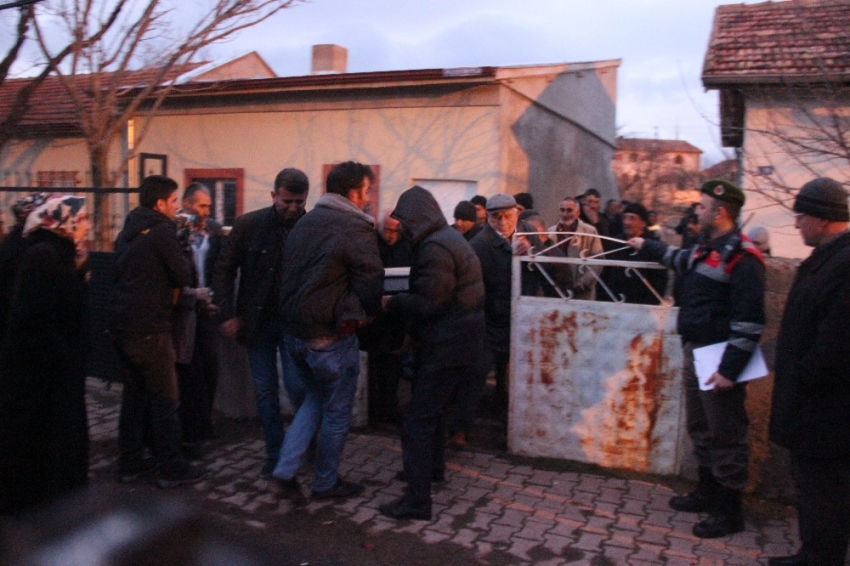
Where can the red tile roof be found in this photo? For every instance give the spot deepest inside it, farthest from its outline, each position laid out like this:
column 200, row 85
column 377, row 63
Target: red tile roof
column 726, row 169
column 52, row 110
column 776, row 41
column 664, row 146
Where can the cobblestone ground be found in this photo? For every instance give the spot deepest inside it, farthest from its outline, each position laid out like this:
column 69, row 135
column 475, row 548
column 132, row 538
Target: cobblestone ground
column 496, row 511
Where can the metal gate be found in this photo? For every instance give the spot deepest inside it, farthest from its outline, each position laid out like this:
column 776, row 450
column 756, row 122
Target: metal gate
column 593, row 381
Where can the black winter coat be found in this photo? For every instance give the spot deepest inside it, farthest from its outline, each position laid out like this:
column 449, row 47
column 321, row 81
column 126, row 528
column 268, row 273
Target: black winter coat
column 719, row 299
column 254, row 253
column 150, row 264
column 495, row 253
column 632, row 287
column 332, row 271
column 444, row 307
column 811, row 391
column 43, row 428
column 12, row 249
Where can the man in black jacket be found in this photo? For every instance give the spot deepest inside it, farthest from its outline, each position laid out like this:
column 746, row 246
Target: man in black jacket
column 721, row 299
column 631, row 287
column 811, row 391
column 255, row 255
column 331, row 285
column 493, row 247
column 150, row 269
column 444, row 310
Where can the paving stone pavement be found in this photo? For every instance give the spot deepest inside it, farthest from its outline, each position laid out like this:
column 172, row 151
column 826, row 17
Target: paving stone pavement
column 487, row 504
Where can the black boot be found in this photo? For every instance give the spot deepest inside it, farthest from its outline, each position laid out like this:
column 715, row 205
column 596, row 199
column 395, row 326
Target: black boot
column 726, row 516
column 699, row 500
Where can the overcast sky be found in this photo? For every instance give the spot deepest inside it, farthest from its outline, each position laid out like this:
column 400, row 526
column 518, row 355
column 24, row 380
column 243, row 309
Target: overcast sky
column 661, row 43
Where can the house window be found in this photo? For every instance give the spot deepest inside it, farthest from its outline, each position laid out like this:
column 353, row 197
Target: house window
column 678, row 160
column 226, row 187
column 57, row 179
column 373, row 208
column 633, row 157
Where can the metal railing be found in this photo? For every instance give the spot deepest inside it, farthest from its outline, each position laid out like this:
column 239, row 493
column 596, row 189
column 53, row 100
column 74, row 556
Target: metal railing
column 586, row 264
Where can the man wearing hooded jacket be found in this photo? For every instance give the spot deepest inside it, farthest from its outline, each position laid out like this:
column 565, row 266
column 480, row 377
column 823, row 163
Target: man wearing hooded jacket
column 445, row 313
column 149, row 267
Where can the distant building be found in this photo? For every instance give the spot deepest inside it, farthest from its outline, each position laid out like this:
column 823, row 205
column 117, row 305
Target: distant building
column 783, row 72
column 664, row 175
column 728, row 170
column 544, row 129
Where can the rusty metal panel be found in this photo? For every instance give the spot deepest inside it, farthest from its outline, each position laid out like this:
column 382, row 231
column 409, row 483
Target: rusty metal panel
column 596, row 382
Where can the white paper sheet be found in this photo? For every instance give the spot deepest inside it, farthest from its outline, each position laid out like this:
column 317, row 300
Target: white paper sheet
column 707, row 360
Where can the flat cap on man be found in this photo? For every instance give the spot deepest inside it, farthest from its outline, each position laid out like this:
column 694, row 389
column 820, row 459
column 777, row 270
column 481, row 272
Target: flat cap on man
column 823, row 198
column 500, row 201
column 723, row 191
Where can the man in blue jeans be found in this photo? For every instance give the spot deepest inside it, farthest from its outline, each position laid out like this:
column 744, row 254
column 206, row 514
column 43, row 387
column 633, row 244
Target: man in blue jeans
column 254, row 255
column 332, row 282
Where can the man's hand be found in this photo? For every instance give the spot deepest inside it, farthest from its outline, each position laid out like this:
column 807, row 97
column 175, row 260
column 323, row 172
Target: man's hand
column 636, row 243
column 521, row 245
column 384, row 300
column 231, row 327
column 720, row 383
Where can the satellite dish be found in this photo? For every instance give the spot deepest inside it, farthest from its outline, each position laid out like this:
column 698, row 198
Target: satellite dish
column 16, row 3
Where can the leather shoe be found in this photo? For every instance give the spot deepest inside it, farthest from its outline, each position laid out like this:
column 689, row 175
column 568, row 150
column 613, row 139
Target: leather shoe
column 286, row 489
column 403, row 510
column 719, row 524
column 436, row 477
column 694, row 502
column 795, row 560
column 340, row 490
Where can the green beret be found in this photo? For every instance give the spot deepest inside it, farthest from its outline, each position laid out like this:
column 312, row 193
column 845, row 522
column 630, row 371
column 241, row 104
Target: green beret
column 723, row 191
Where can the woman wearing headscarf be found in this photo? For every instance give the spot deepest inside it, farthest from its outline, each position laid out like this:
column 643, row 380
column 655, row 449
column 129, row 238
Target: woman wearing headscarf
column 43, row 427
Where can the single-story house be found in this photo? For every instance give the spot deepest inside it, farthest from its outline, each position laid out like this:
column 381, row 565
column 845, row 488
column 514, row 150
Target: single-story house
column 545, row 129
column 783, row 72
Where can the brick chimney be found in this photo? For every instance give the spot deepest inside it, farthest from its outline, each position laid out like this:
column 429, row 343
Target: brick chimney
column 329, row 59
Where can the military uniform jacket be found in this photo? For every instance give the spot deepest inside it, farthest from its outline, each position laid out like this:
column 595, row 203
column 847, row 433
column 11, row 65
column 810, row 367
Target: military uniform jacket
column 720, row 294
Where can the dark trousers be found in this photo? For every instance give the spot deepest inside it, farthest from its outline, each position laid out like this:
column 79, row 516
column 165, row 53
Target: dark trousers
column 823, row 492
column 717, row 424
column 499, row 360
column 385, row 371
column 149, row 402
column 423, row 434
column 469, row 391
column 198, row 381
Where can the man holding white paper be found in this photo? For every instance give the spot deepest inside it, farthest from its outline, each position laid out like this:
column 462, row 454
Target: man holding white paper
column 720, row 294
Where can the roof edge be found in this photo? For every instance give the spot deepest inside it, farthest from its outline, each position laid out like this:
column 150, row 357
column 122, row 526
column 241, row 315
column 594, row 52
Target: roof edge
column 720, row 81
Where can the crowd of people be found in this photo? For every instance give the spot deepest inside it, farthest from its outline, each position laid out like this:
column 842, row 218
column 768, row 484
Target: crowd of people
column 308, row 288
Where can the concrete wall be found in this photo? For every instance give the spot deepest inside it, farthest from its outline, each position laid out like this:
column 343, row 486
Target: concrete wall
column 559, row 135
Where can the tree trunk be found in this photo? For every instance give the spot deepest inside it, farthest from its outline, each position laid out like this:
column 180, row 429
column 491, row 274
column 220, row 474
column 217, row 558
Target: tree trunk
column 99, row 178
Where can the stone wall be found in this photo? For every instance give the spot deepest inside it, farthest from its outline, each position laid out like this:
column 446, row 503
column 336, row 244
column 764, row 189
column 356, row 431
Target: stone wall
column 769, row 468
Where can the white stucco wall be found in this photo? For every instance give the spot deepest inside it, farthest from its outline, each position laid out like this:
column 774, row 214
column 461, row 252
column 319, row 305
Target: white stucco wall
column 447, row 143
column 767, row 119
